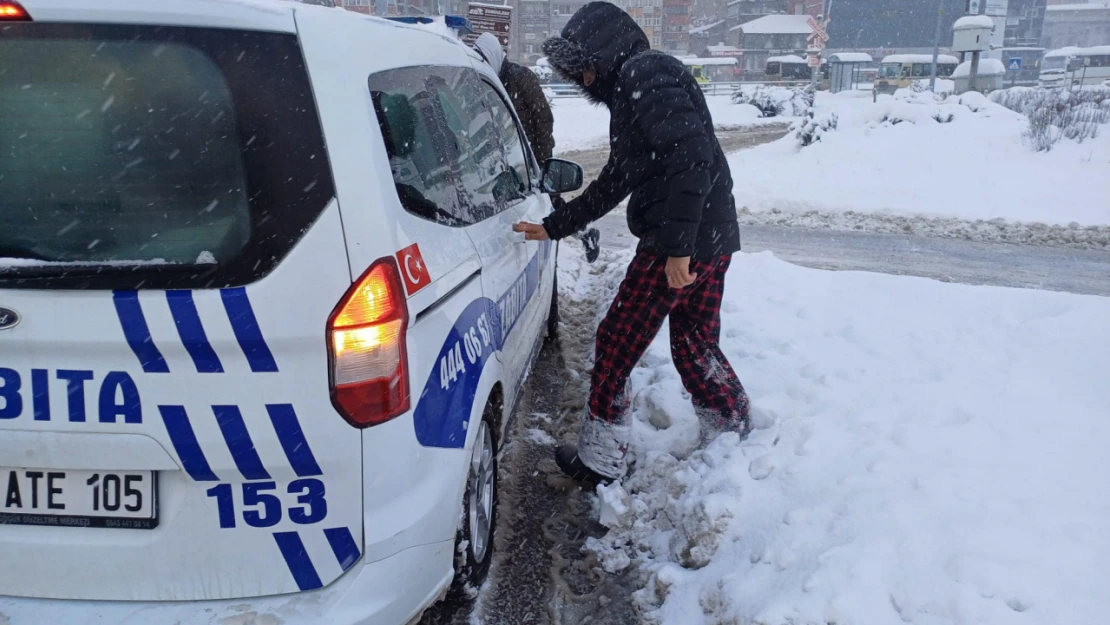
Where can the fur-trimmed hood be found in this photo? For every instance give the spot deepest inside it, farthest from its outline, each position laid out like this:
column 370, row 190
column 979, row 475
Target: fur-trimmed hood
column 598, row 36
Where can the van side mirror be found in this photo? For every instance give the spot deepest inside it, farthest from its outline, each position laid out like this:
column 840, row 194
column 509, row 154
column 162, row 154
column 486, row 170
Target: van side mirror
column 561, row 176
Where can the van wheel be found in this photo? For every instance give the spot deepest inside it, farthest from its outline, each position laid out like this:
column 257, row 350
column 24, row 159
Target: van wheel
column 474, row 545
column 553, row 313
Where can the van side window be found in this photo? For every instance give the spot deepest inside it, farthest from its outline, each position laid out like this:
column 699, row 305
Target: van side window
column 447, row 164
column 422, row 153
column 512, row 146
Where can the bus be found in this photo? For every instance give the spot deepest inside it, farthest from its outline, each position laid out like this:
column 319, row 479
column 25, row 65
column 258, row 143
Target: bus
column 715, row 69
column 791, row 68
column 899, row 71
column 1072, row 67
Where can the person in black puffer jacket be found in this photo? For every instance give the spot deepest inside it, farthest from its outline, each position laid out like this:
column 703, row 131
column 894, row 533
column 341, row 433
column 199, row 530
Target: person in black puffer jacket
column 665, row 154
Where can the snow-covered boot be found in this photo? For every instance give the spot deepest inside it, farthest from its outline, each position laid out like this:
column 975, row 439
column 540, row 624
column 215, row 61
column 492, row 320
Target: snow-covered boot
column 714, row 423
column 602, row 447
column 566, row 456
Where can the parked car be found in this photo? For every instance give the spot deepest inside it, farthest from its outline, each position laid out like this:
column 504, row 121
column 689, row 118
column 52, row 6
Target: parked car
column 263, row 318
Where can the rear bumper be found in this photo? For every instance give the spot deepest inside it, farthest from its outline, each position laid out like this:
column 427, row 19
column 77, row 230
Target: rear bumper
column 387, row 592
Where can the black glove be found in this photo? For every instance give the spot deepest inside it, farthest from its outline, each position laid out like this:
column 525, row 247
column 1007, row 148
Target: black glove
column 591, row 239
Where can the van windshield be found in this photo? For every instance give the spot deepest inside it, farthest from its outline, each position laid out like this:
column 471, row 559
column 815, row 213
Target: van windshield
column 141, row 148
column 1054, row 62
column 890, row 70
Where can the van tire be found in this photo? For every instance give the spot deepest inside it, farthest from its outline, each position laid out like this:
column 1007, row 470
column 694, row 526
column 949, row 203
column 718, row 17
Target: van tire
column 471, row 568
column 553, row 312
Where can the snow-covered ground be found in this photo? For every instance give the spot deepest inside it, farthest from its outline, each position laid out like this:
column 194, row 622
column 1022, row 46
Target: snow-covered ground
column 580, row 125
column 895, row 157
column 925, row 453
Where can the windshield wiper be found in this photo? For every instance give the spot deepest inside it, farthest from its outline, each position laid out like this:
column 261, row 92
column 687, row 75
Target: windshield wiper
column 21, row 251
column 61, row 269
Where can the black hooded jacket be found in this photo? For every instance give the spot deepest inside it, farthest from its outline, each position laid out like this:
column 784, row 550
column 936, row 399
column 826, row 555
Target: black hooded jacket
column 531, row 106
column 663, row 149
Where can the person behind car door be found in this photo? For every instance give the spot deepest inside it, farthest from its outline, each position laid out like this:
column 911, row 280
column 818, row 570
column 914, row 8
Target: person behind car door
column 534, row 112
column 664, row 154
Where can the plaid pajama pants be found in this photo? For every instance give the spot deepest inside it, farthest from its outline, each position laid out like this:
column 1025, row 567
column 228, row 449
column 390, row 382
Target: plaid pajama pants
column 643, row 301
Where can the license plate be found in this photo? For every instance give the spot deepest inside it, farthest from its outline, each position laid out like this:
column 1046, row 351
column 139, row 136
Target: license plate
column 120, row 499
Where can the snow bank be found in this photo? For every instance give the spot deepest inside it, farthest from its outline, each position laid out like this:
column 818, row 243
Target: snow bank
column 580, row 125
column 925, row 453
column 911, row 155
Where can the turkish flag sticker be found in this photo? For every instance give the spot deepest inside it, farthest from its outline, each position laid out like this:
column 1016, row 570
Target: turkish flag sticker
column 413, row 271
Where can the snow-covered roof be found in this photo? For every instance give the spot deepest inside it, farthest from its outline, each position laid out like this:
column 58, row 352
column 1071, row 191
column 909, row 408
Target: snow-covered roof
column 920, row 58
column 1080, row 52
column 1091, row 6
column 717, row 60
column 973, row 21
column 777, row 25
column 851, row 57
column 243, row 14
column 724, row 49
column 789, row 58
column 987, row 67
column 1066, row 51
column 704, row 29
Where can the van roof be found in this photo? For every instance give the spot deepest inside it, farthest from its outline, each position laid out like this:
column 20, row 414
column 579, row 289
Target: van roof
column 265, row 15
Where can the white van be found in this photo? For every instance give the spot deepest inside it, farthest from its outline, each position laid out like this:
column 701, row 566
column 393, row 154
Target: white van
column 262, row 315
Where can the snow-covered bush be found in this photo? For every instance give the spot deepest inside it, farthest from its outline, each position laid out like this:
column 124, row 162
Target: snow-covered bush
column 778, row 101
column 811, row 130
column 1055, row 115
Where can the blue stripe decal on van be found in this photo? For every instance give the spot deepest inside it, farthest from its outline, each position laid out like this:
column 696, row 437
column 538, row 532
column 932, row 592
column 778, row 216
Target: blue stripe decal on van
column 191, row 331
column 292, row 439
column 185, row 443
column 344, row 546
column 247, row 332
column 137, row 333
column 298, row 560
column 239, row 442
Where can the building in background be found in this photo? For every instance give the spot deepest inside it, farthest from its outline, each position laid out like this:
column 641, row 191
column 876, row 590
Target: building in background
column 358, row 6
column 676, row 26
column 649, row 15
column 741, row 11
column 713, row 33
column 1082, row 25
column 904, row 25
column 1024, row 23
column 531, row 27
column 812, row 8
column 771, row 35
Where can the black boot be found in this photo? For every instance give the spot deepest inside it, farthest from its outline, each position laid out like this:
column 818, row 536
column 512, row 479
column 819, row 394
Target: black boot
column 566, row 456
column 591, row 239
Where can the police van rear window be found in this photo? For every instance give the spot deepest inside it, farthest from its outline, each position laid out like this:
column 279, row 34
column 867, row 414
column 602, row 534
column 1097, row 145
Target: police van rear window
column 153, row 157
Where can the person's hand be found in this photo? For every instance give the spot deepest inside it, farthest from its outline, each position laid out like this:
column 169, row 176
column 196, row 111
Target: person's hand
column 532, row 232
column 678, row 272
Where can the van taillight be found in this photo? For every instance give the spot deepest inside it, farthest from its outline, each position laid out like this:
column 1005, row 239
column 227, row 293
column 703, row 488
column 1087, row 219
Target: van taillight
column 12, row 12
column 366, row 345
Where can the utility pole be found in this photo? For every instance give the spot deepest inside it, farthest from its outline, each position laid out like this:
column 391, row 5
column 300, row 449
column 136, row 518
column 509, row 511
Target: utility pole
column 974, row 74
column 936, row 47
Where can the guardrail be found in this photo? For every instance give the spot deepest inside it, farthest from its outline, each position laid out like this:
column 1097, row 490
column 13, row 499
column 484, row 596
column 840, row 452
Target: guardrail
column 567, row 90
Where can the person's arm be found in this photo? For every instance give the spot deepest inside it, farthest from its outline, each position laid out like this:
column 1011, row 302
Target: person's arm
column 599, row 198
column 669, row 119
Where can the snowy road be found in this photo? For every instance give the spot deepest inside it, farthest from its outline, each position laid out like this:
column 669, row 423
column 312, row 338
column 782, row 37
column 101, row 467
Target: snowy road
column 1074, row 270
column 1085, row 271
